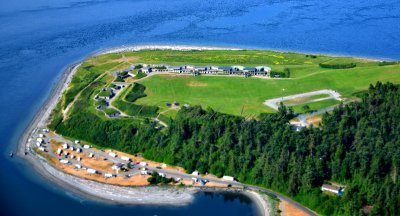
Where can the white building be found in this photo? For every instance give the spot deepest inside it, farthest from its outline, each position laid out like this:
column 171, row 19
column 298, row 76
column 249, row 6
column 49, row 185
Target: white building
column 333, row 189
column 228, row 178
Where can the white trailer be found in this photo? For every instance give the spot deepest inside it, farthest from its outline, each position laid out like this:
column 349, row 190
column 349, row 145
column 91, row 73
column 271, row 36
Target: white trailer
column 112, row 154
column 125, row 158
column 59, row 151
column 77, row 141
column 78, row 166
column 86, row 146
column 143, row 163
column 91, row 155
column 40, row 140
column 228, row 178
column 91, row 171
column 64, row 161
column 78, row 150
column 108, row 175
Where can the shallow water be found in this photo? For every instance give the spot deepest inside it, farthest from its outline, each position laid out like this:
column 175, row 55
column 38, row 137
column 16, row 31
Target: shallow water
column 39, row 38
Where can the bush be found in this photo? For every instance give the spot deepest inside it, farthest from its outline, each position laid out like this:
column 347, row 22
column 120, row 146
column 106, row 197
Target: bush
column 338, row 66
column 136, row 92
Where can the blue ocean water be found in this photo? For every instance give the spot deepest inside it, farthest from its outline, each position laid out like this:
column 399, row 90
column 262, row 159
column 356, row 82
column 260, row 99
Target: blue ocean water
column 38, row 39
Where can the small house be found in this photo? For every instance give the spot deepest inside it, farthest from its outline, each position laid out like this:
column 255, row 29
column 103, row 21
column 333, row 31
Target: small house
column 333, row 189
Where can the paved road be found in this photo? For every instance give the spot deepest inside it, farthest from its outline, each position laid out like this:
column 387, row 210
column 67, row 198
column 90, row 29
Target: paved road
column 169, row 173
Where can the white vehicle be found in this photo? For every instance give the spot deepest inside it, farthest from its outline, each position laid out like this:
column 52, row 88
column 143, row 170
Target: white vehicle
column 77, row 141
column 194, row 179
column 71, row 148
column 65, row 146
column 59, row 151
column 228, row 178
column 41, row 135
column 40, row 140
column 78, row 159
column 91, row 171
column 38, row 144
column 178, row 179
column 143, row 163
column 78, row 166
column 41, row 149
column 125, row 158
column 72, row 156
column 45, row 130
column 86, row 146
column 64, row 161
column 91, row 155
column 108, row 175
column 112, row 154
column 161, row 174
column 78, row 150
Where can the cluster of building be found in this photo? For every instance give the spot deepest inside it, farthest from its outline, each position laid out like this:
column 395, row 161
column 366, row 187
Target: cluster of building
column 197, row 70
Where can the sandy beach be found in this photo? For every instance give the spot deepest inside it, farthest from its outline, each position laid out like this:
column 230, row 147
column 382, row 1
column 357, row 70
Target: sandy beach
column 150, row 195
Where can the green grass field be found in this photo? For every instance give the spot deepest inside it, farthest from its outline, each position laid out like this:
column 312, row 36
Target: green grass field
column 315, row 105
column 235, row 95
column 232, row 94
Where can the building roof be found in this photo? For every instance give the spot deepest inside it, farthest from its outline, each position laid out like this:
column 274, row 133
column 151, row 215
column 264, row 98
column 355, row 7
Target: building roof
column 331, row 187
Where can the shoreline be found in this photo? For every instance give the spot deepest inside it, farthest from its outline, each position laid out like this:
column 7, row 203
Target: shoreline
column 181, row 47
column 96, row 191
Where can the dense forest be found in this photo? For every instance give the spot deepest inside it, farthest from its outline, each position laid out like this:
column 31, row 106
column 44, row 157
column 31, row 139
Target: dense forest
column 357, row 145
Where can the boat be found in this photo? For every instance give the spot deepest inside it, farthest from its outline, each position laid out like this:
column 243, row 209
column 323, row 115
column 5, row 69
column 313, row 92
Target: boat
column 11, row 154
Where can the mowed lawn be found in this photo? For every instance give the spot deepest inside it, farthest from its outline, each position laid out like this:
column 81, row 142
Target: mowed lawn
column 238, row 95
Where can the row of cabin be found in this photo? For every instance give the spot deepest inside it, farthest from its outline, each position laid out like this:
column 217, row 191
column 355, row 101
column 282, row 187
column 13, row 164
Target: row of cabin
column 233, row 70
